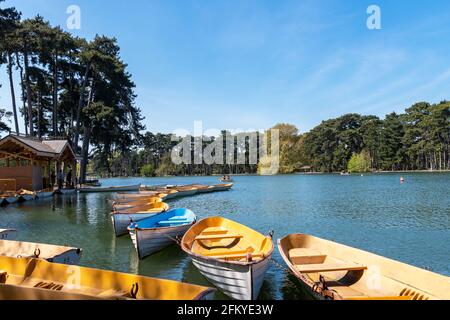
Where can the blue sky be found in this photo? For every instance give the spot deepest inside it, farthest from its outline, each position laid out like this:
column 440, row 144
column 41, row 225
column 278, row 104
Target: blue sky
column 250, row 64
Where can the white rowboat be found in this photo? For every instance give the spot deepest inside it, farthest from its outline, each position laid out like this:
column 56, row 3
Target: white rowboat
column 154, row 234
column 8, row 234
column 51, row 253
column 110, row 189
column 232, row 256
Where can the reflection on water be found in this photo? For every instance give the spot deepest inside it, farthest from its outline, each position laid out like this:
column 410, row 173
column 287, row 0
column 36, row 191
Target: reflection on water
column 408, row 222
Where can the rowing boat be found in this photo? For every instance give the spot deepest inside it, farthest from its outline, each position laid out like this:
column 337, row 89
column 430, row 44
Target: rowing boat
column 118, row 206
column 203, row 188
column 230, row 255
column 25, row 195
column 226, row 180
column 8, row 234
column 122, row 219
column 9, row 198
column 110, row 189
column 222, row 187
column 51, row 253
column 330, row 270
column 38, row 279
column 154, row 234
column 185, row 191
column 45, row 194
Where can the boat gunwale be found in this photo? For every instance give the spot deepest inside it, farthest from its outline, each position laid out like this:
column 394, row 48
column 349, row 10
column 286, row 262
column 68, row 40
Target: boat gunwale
column 161, row 228
column 241, row 263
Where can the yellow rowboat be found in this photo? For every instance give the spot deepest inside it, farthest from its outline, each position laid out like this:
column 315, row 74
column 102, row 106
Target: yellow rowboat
column 8, row 234
column 330, row 270
column 203, row 188
column 122, row 219
column 32, row 276
column 230, row 255
column 136, row 203
column 185, row 191
column 222, row 187
column 51, row 253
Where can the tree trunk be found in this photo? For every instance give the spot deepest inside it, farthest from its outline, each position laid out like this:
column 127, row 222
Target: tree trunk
column 55, row 96
column 80, row 105
column 85, row 152
column 28, row 87
column 13, row 94
column 23, row 94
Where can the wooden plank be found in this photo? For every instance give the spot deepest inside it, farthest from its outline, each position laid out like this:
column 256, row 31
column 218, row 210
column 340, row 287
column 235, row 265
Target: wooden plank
column 324, row 267
column 219, row 237
column 301, row 256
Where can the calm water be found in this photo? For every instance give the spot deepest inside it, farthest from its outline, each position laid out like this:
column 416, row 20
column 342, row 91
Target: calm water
column 409, row 222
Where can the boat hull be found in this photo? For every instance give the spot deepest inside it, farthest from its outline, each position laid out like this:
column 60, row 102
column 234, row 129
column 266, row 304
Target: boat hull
column 240, row 282
column 43, row 195
column 8, row 234
column 67, row 191
column 186, row 193
column 51, row 253
column 27, row 197
column 11, row 200
column 121, row 221
column 150, row 241
column 110, row 189
column 222, row 188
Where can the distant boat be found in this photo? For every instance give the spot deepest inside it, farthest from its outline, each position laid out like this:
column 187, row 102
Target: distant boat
column 155, row 233
column 118, row 206
column 222, row 187
column 345, row 173
column 330, row 270
column 203, row 188
column 35, row 279
column 110, row 189
column 51, row 253
column 8, row 234
column 122, row 219
column 226, row 180
column 230, row 255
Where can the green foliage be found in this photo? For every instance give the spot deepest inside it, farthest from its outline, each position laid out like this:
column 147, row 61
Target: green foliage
column 359, row 162
column 147, row 170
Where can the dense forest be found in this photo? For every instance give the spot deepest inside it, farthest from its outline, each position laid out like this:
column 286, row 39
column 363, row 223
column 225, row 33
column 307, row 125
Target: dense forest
column 81, row 90
column 69, row 87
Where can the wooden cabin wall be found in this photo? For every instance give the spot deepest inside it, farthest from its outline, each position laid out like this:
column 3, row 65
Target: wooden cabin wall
column 23, row 176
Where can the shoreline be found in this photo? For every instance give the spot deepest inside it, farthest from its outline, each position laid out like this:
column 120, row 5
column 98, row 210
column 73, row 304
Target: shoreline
column 290, row 174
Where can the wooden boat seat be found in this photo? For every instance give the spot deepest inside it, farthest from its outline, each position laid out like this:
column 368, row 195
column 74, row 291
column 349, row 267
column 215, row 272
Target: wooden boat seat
column 218, row 237
column 329, row 267
column 238, row 256
column 299, row 256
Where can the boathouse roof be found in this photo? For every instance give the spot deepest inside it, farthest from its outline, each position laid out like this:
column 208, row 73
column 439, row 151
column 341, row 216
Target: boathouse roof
column 16, row 145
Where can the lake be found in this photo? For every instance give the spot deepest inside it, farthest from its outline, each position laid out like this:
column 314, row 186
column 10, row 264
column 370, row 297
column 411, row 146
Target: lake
column 408, row 222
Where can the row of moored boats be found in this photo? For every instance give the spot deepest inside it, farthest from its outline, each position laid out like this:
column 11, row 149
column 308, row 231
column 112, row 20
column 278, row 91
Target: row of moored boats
column 233, row 257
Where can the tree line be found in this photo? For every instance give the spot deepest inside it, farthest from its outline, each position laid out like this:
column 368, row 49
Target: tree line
column 69, row 87
column 81, row 90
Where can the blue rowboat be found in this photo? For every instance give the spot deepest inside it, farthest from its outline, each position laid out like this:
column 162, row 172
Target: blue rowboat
column 155, row 233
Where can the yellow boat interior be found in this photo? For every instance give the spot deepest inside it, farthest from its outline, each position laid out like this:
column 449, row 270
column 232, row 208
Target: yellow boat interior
column 226, row 240
column 30, row 276
column 147, row 208
column 340, row 272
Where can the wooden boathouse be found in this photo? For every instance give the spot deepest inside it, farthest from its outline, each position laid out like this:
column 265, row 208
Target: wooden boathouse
column 33, row 164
